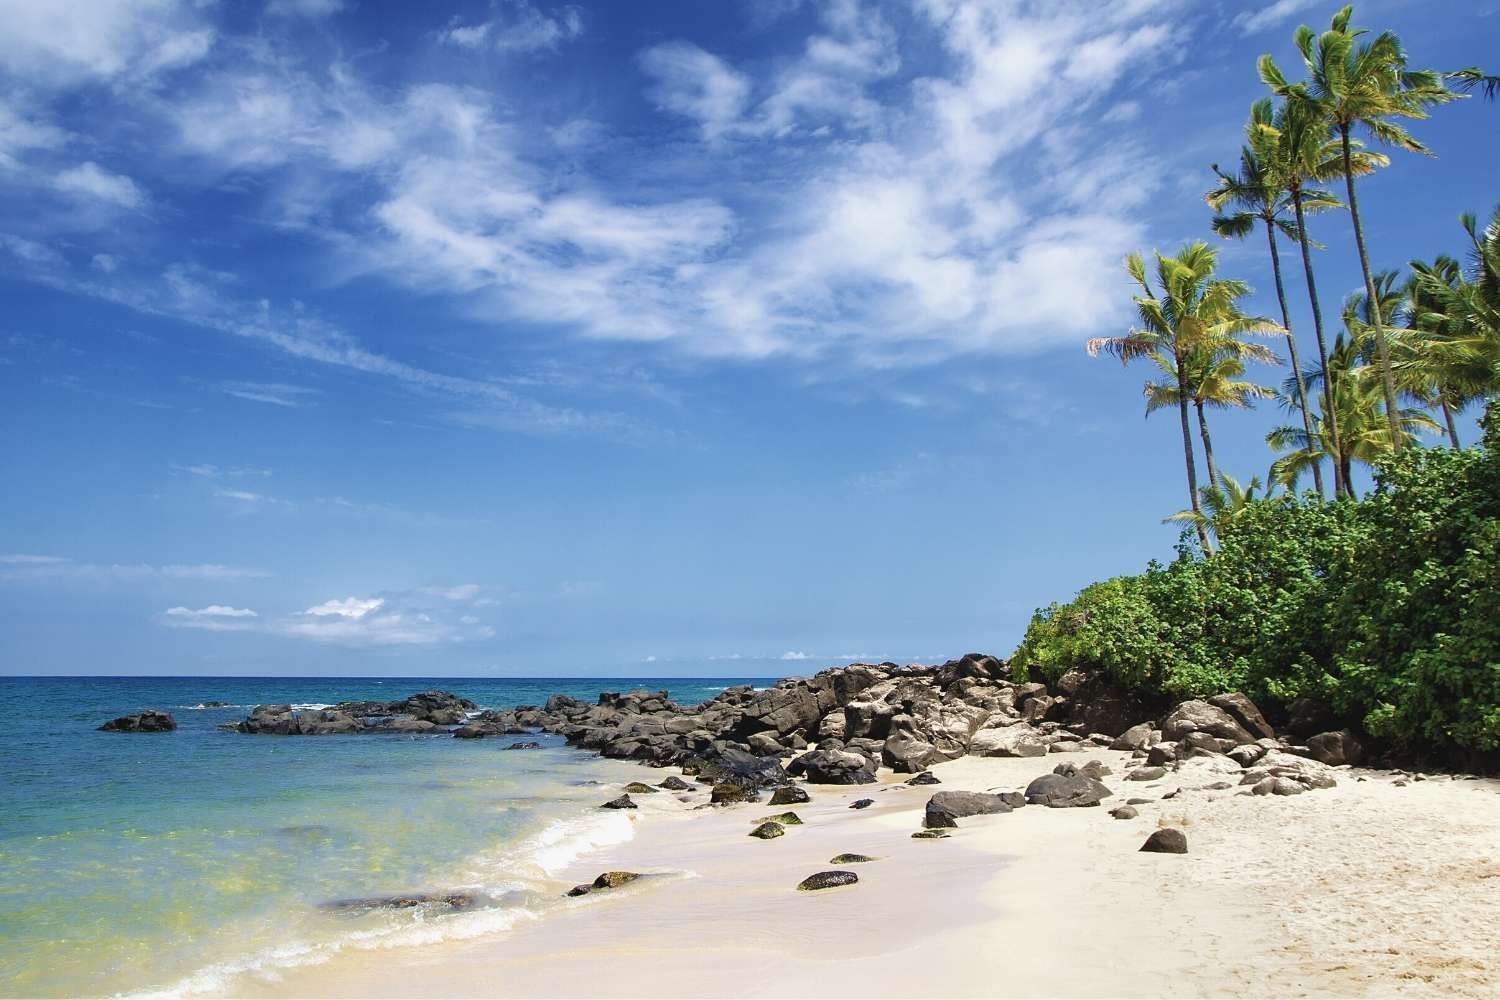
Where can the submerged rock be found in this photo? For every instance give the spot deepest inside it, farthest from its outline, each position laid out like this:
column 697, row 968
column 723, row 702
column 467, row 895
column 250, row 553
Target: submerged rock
column 149, row 721
column 850, row 859
column 827, row 880
column 675, row 784
column 529, row 745
column 613, row 880
column 623, row 802
column 450, row 900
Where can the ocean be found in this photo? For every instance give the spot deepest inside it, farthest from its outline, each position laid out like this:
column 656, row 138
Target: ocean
column 137, row 863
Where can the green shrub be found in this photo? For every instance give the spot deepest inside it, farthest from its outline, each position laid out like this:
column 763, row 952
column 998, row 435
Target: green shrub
column 1387, row 607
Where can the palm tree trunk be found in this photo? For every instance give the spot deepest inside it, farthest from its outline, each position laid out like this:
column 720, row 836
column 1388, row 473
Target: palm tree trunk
column 1387, row 380
column 1187, row 454
column 1340, row 482
column 1291, row 346
column 1208, row 446
column 1448, row 419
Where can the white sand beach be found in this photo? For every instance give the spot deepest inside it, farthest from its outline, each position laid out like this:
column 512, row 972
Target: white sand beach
column 1365, row 889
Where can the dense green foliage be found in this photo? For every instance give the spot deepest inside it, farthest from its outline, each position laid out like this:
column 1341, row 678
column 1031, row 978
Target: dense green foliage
column 1386, row 607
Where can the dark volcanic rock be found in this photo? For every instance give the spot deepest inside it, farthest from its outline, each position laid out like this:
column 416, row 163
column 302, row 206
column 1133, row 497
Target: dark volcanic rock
column 1060, row 791
column 790, row 795
column 1146, row 774
column 1245, row 713
column 861, row 803
column 1137, row 737
column 1167, row 840
column 785, row 819
column 613, row 880
column 767, row 831
column 962, row 804
column 729, row 794
column 149, row 721
column 623, row 802
column 827, row 880
column 421, row 712
column 1335, row 748
column 528, row 745
column 929, row 835
column 925, row 778
column 641, row 788
column 938, row 818
column 833, row 767
column 1200, row 716
column 850, row 859
column 676, row 784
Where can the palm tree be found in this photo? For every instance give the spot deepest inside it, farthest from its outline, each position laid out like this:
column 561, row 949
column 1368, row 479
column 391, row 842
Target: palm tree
column 1473, row 78
column 1266, row 188
column 1422, row 354
column 1366, row 85
column 1193, row 312
column 1220, row 504
column 1359, row 400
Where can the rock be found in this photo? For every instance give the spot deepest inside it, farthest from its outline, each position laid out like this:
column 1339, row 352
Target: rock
column 1137, row 737
column 827, row 880
column 1335, row 748
column 1065, row 746
column 905, row 754
column 850, row 859
column 929, row 835
column 861, row 803
column 623, row 802
column 833, row 767
column 613, row 880
column 790, row 795
column 1137, row 802
column 765, row 745
column 473, row 733
column 1200, row 716
column 785, row 819
column 1278, row 786
column 528, row 745
column 925, row 778
column 1146, row 774
column 149, row 721
column 1059, row 791
column 1093, row 769
column 729, row 794
column 676, row 784
column 1246, row 754
column 767, row 831
column 962, row 804
column 449, row 900
column 1124, row 812
column 641, row 788
column 1161, row 753
column 1243, row 711
column 938, row 818
column 1306, row 716
column 1008, row 741
column 580, row 890
column 1013, row 799
column 1167, row 840
column 1201, row 742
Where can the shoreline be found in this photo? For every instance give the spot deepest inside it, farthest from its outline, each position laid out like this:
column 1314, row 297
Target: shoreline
column 1346, row 892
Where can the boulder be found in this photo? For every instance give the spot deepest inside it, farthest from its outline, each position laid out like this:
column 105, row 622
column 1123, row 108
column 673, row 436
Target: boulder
column 641, row 788
column 623, row 802
column 1167, row 840
column 728, row 793
column 1008, row 741
column 850, row 859
column 1247, row 754
column 929, row 835
column 925, row 778
column 149, row 721
column 936, row 818
column 1060, row 791
column 767, row 831
column 1306, row 716
column 527, row 745
column 613, row 880
column 833, row 767
column 765, row 745
column 906, row 754
column 1200, row 716
column 785, row 819
column 1277, row 786
column 827, row 880
column 1243, row 711
column 961, row 804
column 1146, row 774
column 790, row 795
column 1137, row 737
column 1335, row 748
column 1161, row 753
column 1124, row 812
column 676, row 784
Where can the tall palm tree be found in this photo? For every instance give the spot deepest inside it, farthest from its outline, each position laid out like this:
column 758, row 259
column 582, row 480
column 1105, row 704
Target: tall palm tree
column 1367, row 86
column 1188, row 311
column 1268, row 191
column 1422, row 354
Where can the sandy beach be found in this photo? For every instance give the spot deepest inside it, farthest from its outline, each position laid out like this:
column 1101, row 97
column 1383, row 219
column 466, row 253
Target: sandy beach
column 1367, row 889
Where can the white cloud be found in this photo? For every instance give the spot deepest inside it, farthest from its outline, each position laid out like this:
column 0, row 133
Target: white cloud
column 349, row 607
column 208, row 471
column 518, row 27
column 248, row 500
column 462, row 592
column 304, row 8
column 90, row 180
column 50, row 43
column 23, row 129
column 696, row 84
column 274, row 393
column 797, row 655
column 1267, row 16
column 214, row 618
column 59, row 567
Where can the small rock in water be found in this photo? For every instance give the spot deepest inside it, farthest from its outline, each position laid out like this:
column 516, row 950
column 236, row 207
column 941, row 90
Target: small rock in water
column 768, row 831
column 790, row 795
column 453, row 900
column 930, row 834
column 827, row 880
column 623, row 802
column 580, row 890
column 850, row 859
column 1167, row 840
column 528, row 745
column 675, row 784
column 925, row 778
column 640, row 788
column 1124, row 812
column 861, row 803
column 613, row 880
column 785, row 819
column 149, row 721
column 728, row 793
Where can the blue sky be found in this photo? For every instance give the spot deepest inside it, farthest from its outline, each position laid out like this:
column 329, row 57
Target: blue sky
column 512, row 337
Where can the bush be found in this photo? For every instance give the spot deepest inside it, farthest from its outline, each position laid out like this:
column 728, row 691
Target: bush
column 1387, row 607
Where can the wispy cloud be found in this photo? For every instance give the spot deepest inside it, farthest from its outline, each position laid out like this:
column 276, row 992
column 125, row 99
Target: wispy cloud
column 214, row 618
column 518, row 27
column 208, row 471
column 1252, row 21
column 31, row 567
column 275, row 393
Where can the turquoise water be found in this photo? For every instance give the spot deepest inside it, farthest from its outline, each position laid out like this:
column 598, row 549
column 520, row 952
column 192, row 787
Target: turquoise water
column 141, row 862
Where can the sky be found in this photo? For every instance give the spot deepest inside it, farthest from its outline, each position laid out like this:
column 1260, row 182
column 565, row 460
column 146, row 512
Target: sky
column 522, row 338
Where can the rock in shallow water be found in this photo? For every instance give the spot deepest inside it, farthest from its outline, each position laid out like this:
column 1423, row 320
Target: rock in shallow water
column 768, row 831
column 1167, row 840
column 929, row 835
column 149, row 721
column 623, row 802
column 850, row 859
column 675, row 784
column 641, row 788
column 925, row 778
column 613, row 880
column 790, row 795
column 449, row 900
column 827, row 880
column 785, row 819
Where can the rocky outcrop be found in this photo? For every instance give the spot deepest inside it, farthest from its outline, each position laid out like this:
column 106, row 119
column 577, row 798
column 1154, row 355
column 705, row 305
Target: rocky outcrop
column 425, row 712
column 149, row 721
column 833, row 767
